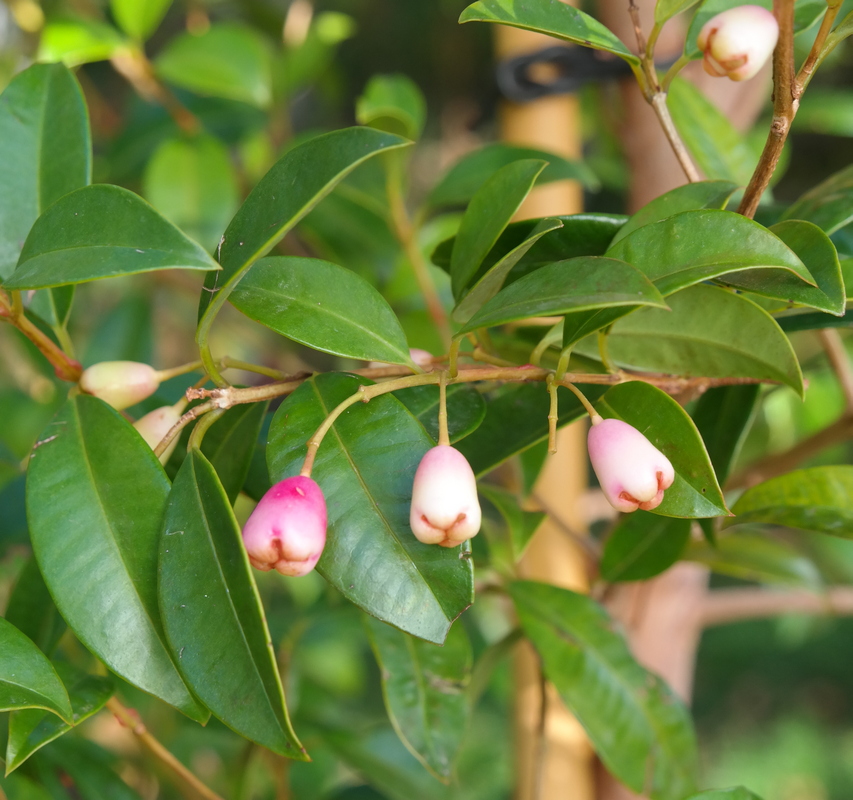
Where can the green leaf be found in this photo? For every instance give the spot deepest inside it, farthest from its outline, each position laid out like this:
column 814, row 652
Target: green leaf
column 695, row 492
column 139, row 18
column 487, row 286
column 192, row 182
column 31, row 730
column 488, row 213
column 392, row 103
column 554, row 19
column 462, row 181
column 365, row 468
column 45, row 151
column 75, row 41
column 645, row 737
column 517, row 418
column 709, row 332
column 748, row 556
column 690, row 197
column 102, row 231
column 95, row 501
column 230, row 444
column 735, row 793
column 816, row 250
column 323, row 306
column 719, row 149
column 27, row 678
column 579, row 284
column 212, row 612
column 21, row 788
column 816, row 499
column 813, row 321
column 694, row 246
column 465, row 409
column 826, row 111
column 723, row 416
column 513, row 533
column 292, row 187
column 32, row 611
column 53, row 305
column 666, row 9
column 806, row 13
column 643, row 545
column 424, row 687
column 829, row 205
column 228, row 60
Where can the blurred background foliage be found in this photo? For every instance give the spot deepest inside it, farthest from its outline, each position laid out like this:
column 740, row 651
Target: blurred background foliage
column 773, row 699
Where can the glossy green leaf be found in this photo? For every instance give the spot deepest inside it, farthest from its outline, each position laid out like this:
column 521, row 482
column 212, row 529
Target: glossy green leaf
column 228, row 60
column 813, row 321
column 102, row 231
column 517, row 418
column 461, row 182
column 722, row 416
column 22, row 788
column 53, row 305
column 816, row 250
column 806, row 13
column 392, row 103
column 230, row 443
column 748, row 556
column 465, row 408
column 31, row 730
column 508, row 538
column 694, row 246
column 192, row 182
column 27, row 678
column 365, row 468
column 695, row 492
column 816, row 499
column 487, row 286
column 558, row 20
column 95, row 501
column 638, row 727
column 666, row 9
column 323, row 306
column 689, row 197
column 488, row 213
column 45, row 151
column 719, row 149
column 829, row 205
column 735, row 793
column 424, row 687
column 643, row 545
column 826, row 111
column 710, row 332
column 581, row 235
column 32, row 610
column 292, row 187
column 579, row 284
column 139, row 18
column 74, row 41
column 212, row 612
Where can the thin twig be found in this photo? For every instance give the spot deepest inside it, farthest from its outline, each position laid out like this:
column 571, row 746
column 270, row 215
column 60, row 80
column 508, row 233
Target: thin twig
column 658, row 103
column 724, row 606
column 814, row 56
column 185, row 779
column 784, row 109
column 840, row 362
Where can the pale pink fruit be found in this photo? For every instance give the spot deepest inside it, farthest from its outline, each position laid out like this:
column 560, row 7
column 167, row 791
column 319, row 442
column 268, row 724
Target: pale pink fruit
column 738, row 42
column 155, row 425
column 445, row 509
column 632, row 472
column 287, row 529
column 120, row 383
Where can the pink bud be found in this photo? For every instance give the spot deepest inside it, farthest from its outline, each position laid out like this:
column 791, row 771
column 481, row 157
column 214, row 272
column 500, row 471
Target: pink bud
column 287, row 529
column 738, row 42
column 120, row 383
column 445, row 509
column 632, row 472
column 155, row 425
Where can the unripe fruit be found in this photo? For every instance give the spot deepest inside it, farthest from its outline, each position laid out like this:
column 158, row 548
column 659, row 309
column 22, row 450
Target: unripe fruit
column 287, row 529
column 120, row 383
column 155, row 425
column 632, row 472
column 445, row 509
column 738, row 42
